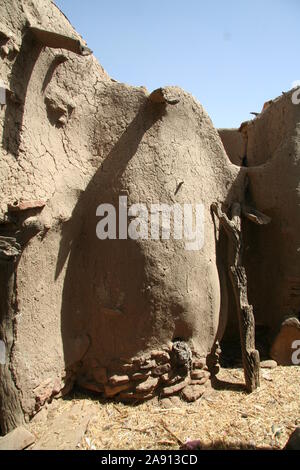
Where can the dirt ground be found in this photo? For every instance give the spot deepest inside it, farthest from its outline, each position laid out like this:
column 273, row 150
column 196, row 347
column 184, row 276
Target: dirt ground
column 224, row 418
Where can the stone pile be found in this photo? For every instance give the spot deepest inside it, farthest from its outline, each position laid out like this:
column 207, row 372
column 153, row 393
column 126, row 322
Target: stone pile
column 174, row 369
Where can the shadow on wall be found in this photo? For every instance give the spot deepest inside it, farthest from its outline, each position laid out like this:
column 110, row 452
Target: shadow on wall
column 20, row 77
column 102, row 304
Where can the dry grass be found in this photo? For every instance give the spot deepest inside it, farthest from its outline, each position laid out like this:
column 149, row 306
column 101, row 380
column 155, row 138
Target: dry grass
column 224, row 418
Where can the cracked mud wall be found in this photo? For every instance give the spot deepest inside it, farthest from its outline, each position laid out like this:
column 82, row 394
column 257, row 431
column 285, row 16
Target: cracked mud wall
column 74, row 308
column 234, row 144
column 40, row 160
column 271, row 252
column 273, row 153
column 71, row 139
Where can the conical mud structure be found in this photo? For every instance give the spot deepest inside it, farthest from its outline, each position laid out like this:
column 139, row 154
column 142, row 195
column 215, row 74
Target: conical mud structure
column 114, row 264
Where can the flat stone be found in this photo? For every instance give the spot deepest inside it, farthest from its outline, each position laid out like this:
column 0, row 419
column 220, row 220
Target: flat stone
column 148, row 365
column 118, row 379
column 192, row 392
column 25, row 205
column 269, row 364
column 128, row 368
column 18, row 439
column 200, row 381
column 140, row 360
column 140, row 376
column 126, row 360
column 203, row 375
column 167, row 391
column 144, row 396
column 162, row 369
column 147, row 386
column 169, row 378
column 197, row 374
column 160, row 356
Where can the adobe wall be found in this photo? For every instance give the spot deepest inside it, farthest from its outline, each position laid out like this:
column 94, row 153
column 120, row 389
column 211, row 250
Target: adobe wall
column 234, row 145
column 104, row 314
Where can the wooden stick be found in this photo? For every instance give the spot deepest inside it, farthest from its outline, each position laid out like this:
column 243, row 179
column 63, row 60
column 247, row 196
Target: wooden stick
column 238, row 277
column 55, row 40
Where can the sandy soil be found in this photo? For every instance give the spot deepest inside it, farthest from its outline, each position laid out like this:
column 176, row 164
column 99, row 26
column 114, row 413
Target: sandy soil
column 224, row 418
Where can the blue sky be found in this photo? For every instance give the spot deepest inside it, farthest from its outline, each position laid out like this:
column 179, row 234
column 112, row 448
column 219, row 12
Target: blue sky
column 232, row 55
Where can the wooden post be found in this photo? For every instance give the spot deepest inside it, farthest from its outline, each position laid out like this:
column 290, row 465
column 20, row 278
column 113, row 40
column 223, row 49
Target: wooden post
column 238, row 277
column 59, row 41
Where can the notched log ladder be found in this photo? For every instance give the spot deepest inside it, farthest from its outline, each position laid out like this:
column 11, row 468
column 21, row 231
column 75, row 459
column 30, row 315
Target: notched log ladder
column 238, row 277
